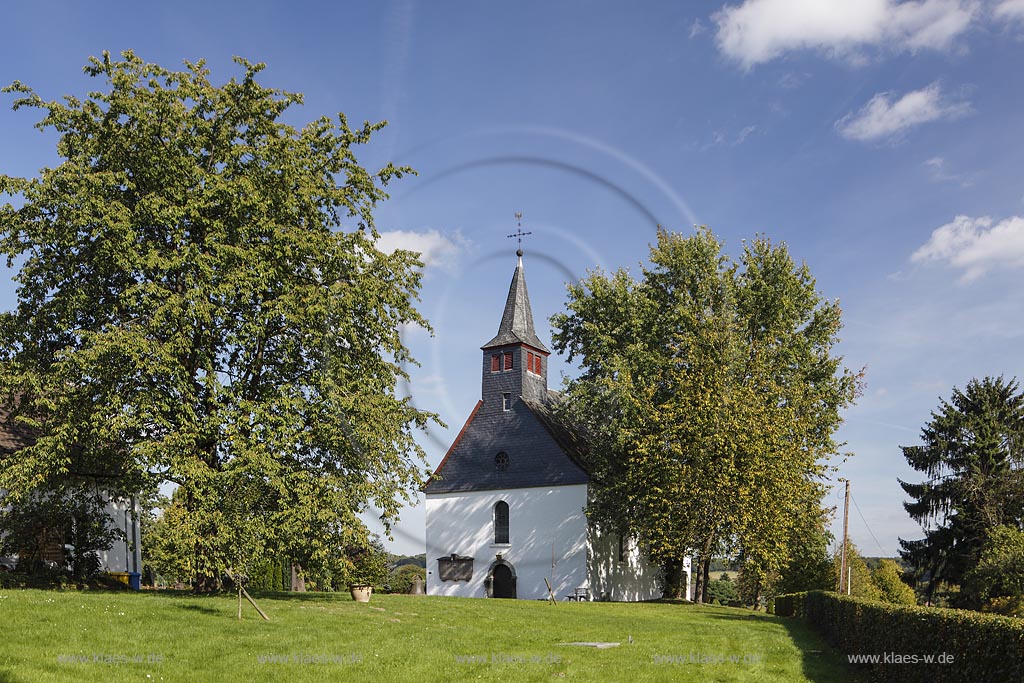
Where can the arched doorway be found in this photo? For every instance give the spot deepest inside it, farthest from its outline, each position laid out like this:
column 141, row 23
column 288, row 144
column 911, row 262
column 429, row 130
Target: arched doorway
column 504, row 582
column 501, row 580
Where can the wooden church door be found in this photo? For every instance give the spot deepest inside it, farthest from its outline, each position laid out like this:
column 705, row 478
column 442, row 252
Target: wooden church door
column 504, row 582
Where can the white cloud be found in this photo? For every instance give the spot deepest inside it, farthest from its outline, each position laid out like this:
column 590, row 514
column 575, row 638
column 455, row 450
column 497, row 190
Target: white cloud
column 761, row 30
column 721, row 137
column 1009, row 9
column 434, row 248
column 883, row 118
column 939, row 171
column 975, row 245
column 744, row 134
column 696, row 28
column 791, row 80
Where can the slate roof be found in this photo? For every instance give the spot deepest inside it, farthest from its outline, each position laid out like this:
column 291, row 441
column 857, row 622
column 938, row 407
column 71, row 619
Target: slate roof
column 13, row 436
column 517, row 320
column 541, row 452
column 567, row 436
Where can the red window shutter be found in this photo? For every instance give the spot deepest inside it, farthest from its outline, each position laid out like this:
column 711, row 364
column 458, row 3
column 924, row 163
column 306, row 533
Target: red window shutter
column 508, row 361
column 536, row 363
column 495, row 363
column 529, row 361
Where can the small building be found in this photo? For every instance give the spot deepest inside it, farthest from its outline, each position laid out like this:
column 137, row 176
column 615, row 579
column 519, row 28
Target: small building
column 505, row 507
column 124, row 556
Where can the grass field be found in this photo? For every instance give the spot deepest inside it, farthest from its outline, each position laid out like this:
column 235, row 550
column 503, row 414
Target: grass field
column 92, row 636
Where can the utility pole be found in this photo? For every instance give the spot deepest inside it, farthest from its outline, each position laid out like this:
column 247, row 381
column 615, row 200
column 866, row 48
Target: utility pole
column 843, row 573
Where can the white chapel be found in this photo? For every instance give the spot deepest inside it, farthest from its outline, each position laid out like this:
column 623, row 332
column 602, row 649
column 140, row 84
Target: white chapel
column 505, row 507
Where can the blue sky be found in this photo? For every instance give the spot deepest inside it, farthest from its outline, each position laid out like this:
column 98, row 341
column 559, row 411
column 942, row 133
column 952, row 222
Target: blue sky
column 879, row 139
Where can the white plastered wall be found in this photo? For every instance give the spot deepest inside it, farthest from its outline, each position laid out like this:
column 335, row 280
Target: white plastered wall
column 630, row 579
column 126, row 553
column 542, row 522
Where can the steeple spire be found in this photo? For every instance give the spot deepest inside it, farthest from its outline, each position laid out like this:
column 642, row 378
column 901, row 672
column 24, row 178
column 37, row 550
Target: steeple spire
column 517, row 320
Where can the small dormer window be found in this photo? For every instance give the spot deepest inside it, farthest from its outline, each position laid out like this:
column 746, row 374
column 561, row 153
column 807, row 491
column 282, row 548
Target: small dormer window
column 506, row 401
column 501, row 461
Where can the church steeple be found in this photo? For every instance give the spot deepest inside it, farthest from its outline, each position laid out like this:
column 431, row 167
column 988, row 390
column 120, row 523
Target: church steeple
column 515, row 362
column 517, row 320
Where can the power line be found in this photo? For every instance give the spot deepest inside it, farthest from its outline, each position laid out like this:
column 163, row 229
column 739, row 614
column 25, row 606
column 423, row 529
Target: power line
column 866, row 524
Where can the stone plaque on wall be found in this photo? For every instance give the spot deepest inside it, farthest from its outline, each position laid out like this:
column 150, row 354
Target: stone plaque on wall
column 455, row 568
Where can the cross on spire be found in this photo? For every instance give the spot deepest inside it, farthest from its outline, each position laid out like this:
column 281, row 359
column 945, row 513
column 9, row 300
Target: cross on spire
column 519, row 234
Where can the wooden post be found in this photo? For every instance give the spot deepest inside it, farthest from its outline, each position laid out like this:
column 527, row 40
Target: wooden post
column 551, row 593
column 843, row 573
column 239, row 602
column 253, row 603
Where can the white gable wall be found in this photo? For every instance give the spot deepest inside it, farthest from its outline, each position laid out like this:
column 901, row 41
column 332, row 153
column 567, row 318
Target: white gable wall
column 540, row 519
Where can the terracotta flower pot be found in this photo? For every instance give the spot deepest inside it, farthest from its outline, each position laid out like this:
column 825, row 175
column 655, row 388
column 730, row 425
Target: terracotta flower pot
column 361, row 593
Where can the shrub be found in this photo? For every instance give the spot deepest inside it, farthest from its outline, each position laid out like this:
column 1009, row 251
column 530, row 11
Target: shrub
column 269, row 575
column 999, row 572
column 402, row 578
column 861, row 583
column 984, row 647
column 722, row 591
column 886, row 578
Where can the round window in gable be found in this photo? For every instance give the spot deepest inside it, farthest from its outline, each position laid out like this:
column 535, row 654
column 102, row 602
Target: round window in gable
column 501, row 461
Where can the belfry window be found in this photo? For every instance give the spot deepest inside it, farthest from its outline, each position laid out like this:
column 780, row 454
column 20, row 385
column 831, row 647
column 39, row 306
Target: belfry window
column 533, row 362
column 501, row 361
column 501, row 522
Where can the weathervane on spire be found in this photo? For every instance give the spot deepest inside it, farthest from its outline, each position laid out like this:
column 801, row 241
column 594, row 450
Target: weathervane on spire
column 519, row 234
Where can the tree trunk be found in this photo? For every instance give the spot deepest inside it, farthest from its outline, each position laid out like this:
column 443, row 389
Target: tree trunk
column 700, row 590
column 298, row 580
column 205, row 584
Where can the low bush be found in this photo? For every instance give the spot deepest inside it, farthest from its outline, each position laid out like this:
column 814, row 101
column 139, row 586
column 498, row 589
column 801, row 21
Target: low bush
column 402, row 578
column 975, row 647
column 60, row 581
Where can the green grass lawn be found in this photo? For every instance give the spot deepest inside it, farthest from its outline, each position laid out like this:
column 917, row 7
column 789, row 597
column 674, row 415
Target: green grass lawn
column 394, row 638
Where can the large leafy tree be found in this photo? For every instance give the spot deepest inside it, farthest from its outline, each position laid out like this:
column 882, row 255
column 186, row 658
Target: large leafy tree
column 711, row 395
column 973, row 459
column 997, row 580
column 201, row 302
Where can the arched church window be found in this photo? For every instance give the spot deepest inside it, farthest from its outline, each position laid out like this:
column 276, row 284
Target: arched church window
column 501, row 522
column 501, row 461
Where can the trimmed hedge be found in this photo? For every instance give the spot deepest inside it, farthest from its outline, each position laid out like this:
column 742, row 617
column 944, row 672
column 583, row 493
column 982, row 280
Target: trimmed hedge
column 983, row 647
